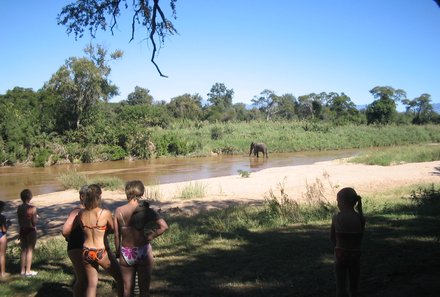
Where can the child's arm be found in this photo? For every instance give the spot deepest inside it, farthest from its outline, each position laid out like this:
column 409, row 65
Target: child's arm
column 333, row 234
column 3, row 224
column 68, row 225
column 360, row 212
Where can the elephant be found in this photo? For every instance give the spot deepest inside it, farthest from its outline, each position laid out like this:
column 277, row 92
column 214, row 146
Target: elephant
column 258, row 147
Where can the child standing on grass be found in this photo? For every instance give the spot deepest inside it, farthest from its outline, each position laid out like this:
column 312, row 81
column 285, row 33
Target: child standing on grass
column 4, row 225
column 346, row 233
column 27, row 220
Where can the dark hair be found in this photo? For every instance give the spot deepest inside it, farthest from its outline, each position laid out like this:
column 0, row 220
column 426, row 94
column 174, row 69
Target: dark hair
column 2, row 205
column 26, row 195
column 134, row 189
column 348, row 196
column 93, row 197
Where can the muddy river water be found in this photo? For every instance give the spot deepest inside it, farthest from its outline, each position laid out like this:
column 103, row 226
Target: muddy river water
column 153, row 172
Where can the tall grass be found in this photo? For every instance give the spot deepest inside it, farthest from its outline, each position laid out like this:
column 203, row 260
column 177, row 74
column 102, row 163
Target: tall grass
column 192, row 190
column 291, row 136
column 74, row 180
column 398, row 155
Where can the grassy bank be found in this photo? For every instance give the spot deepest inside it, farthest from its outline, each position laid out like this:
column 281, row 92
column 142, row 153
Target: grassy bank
column 398, row 155
column 294, row 136
column 276, row 249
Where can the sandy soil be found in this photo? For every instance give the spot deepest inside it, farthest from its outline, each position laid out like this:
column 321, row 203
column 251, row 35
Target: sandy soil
column 53, row 208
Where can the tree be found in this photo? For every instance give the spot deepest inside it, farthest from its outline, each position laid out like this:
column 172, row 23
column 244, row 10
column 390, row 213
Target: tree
column 97, row 15
column 286, row 106
column 266, row 103
column 140, row 96
column 82, row 82
column 341, row 107
column 220, row 96
column 383, row 109
column 420, row 107
column 186, row 106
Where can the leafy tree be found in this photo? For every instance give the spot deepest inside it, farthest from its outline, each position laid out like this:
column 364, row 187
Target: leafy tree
column 19, row 123
column 186, row 106
column 286, row 106
column 144, row 115
column 221, row 108
column 383, row 109
column 82, row 82
column 266, row 103
column 140, row 96
column 342, row 108
column 421, row 108
column 220, row 96
column 92, row 16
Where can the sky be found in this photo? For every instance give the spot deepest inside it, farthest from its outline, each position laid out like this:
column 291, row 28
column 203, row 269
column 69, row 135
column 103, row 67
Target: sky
column 293, row 47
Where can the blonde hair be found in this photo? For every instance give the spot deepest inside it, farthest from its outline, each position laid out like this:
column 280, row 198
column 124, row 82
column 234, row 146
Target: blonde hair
column 93, row 197
column 134, row 189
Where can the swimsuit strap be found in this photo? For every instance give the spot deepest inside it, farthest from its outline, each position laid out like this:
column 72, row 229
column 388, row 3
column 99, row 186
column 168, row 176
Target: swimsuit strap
column 103, row 228
column 97, row 219
column 122, row 217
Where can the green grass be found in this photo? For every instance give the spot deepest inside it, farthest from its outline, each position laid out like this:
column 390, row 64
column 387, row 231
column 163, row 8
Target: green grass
column 72, row 179
column 398, row 155
column 274, row 249
column 192, row 190
column 293, row 136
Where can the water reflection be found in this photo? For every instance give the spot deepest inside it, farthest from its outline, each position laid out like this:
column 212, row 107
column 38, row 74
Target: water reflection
column 156, row 171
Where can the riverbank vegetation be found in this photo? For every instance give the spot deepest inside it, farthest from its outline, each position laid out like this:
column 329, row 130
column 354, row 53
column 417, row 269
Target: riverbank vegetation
column 278, row 249
column 398, row 155
column 71, row 120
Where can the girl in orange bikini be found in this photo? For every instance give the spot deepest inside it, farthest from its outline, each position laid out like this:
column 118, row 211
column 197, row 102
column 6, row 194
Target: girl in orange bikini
column 96, row 223
column 133, row 246
column 27, row 220
column 346, row 234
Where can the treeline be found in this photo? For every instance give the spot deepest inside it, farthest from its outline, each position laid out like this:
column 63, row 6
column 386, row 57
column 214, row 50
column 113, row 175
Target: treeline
column 70, row 119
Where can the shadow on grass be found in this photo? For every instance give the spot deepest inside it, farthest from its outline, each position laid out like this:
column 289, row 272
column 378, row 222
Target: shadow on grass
column 401, row 258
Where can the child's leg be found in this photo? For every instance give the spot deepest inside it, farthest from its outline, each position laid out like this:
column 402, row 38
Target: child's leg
column 23, row 246
column 92, row 278
column 3, row 243
column 31, row 241
column 341, row 274
column 353, row 275
column 144, row 274
column 111, row 265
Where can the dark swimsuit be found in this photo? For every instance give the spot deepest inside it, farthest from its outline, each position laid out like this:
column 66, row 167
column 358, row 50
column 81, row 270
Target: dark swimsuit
column 75, row 240
column 92, row 255
column 25, row 231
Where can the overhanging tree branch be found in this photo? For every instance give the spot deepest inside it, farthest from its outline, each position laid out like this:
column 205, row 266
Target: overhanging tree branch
column 101, row 14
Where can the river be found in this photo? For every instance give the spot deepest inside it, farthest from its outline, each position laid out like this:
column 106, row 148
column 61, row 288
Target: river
column 154, row 171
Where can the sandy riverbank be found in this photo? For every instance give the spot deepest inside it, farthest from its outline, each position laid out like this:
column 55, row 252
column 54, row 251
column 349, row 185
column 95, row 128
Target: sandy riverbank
column 223, row 191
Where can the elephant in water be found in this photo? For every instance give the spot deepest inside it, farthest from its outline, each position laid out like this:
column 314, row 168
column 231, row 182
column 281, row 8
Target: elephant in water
column 258, row 147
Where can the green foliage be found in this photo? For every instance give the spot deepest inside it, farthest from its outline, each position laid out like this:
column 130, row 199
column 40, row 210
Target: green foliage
column 41, row 157
column 244, row 173
column 216, row 133
column 192, row 190
column 398, row 155
column 72, row 179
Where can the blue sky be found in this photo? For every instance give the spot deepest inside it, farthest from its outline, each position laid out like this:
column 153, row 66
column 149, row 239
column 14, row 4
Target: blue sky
column 288, row 46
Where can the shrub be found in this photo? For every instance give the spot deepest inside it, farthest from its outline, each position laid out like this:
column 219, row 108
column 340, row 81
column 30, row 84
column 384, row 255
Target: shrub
column 244, row 173
column 193, row 190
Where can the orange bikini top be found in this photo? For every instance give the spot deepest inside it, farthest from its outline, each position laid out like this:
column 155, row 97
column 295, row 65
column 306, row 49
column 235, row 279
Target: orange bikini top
column 97, row 227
